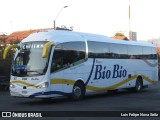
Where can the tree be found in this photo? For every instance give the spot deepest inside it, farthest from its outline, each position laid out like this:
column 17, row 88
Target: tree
column 3, row 38
column 120, row 36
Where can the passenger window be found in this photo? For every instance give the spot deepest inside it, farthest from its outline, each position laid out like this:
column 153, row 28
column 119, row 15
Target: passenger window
column 68, row 54
column 147, row 53
column 114, row 51
column 118, row 51
column 57, row 60
column 74, row 53
column 98, row 50
column 135, row 52
column 153, row 53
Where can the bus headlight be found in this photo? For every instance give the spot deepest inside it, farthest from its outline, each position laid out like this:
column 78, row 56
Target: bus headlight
column 43, row 85
column 12, row 85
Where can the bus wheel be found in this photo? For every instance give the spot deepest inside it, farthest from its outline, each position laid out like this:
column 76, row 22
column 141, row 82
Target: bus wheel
column 138, row 85
column 78, row 91
column 112, row 91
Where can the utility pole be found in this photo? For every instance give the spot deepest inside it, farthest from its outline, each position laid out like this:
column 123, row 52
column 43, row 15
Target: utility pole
column 130, row 32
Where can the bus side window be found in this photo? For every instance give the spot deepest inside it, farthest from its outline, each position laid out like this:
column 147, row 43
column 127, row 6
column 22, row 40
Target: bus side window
column 153, row 53
column 57, row 60
column 131, row 52
column 114, row 51
column 98, row 50
column 73, row 53
column 139, row 53
column 135, row 52
column 149, row 52
column 146, row 52
column 118, row 51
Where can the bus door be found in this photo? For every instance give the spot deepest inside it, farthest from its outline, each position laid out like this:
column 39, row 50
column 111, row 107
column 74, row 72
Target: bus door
column 56, row 69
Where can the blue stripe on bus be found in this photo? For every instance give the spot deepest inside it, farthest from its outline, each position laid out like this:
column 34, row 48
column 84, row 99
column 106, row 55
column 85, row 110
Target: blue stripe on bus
column 90, row 72
column 49, row 93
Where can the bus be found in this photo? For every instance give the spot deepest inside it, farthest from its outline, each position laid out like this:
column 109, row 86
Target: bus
column 56, row 63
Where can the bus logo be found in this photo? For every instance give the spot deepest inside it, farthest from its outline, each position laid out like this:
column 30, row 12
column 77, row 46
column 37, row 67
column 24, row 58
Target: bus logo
column 101, row 72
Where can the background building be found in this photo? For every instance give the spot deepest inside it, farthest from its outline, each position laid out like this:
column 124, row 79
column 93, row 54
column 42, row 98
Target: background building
column 133, row 35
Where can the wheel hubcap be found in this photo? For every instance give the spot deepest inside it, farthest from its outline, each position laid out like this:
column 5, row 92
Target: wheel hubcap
column 77, row 91
column 138, row 86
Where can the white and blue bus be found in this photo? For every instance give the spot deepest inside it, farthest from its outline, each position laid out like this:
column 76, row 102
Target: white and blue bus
column 58, row 63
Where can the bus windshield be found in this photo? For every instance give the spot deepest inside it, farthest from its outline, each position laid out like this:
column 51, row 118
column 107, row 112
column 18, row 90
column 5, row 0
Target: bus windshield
column 29, row 61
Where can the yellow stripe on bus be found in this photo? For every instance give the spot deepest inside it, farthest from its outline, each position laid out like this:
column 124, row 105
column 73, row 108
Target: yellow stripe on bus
column 149, row 80
column 62, row 81
column 23, row 83
column 93, row 88
column 112, row 86
column 88, row 87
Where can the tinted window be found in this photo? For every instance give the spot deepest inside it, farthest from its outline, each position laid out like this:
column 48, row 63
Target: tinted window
column 73, row 52
column 68, row 54
column 118, row 51
column 153, row 53
column 98, row 50
column 29, row 61
column 135, row 52
column 57, row 60
column 146, row 52
column 149, row 53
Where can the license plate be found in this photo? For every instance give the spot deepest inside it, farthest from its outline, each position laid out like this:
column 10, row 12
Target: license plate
column 24, row 92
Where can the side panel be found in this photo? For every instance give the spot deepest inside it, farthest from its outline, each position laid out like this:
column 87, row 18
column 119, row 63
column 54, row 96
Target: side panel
column 68, row 66
column 109, row 74
column 105, row 74
column 62, row 81
column 73, row 74
column 56, row 84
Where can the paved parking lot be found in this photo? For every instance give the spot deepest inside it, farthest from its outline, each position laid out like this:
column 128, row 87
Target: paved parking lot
column 148, row 100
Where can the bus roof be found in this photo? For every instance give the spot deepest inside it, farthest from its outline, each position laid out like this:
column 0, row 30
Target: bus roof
column 60, row 36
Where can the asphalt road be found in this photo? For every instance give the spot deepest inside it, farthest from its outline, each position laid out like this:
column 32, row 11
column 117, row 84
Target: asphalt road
column 147, row 100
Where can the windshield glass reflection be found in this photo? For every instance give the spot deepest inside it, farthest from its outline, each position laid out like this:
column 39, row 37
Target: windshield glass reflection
column 29, row 61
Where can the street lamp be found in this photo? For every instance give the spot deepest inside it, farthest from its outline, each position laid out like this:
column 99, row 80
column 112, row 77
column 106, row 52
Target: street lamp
column 57, row 16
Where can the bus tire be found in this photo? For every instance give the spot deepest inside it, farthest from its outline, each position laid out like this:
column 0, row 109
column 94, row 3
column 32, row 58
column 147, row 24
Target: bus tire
column 112, row 91
column 78, row 91
column 139, row 85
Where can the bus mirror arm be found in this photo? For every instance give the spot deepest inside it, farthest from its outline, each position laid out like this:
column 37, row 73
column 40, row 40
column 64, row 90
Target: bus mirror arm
column 46, row 49
column 7, row 49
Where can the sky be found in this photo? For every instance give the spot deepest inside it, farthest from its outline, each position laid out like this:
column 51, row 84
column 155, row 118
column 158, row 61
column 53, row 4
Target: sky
column 104, row 17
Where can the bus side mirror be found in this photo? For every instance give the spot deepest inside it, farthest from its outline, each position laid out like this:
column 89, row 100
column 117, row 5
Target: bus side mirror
column 46, row 49
column 7, row 49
